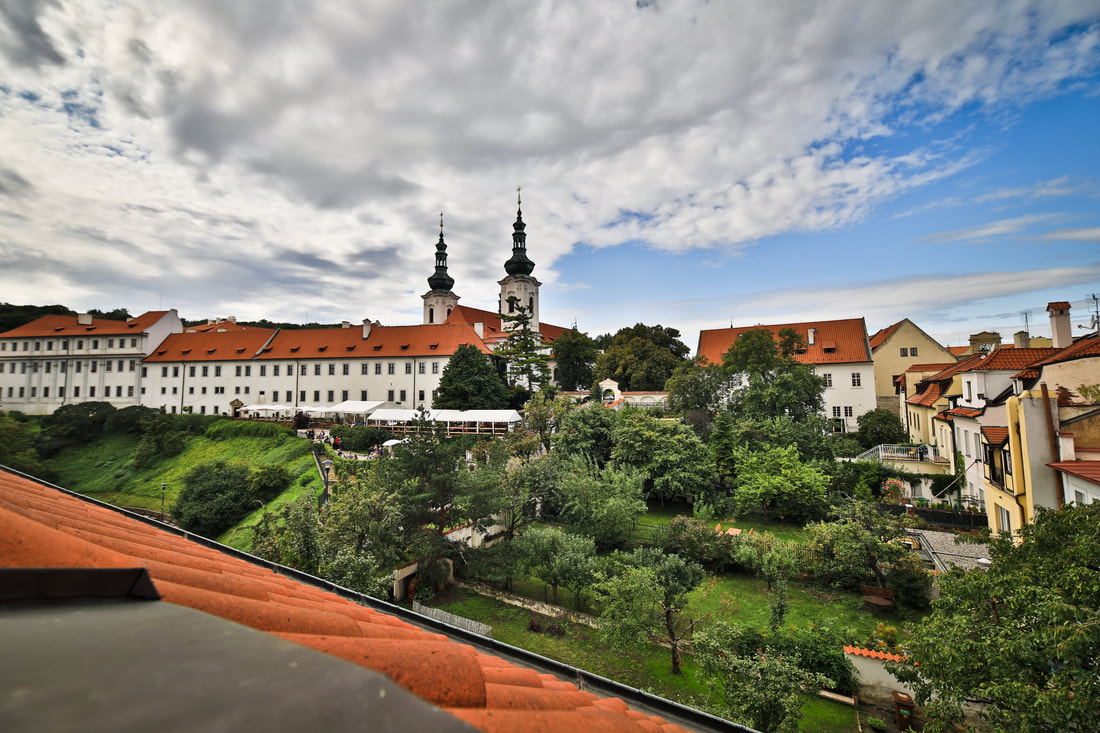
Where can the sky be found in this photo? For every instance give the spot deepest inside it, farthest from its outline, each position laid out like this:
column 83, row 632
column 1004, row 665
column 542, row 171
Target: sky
column 691, row 164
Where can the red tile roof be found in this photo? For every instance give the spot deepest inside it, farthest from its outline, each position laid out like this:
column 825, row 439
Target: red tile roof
column 1084, row 348
column 995, row 436
column 57, row 325
column 1087, row 470
column 958, row 350
column 437, row 339
column 880, row 336
column 493, row 329
column 1058, row 305
column 847, row 337
column 931, row 367
column 211, row 346
column 1011, row 359
column 964, row 412
column 44, row 527
column 927, row 397
column 222, row 326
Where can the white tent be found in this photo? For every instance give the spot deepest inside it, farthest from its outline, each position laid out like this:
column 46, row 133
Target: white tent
column 356, row 407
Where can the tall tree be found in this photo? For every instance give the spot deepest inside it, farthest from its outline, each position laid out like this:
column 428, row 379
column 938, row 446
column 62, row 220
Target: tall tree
column 601, row 503
column 879, row 426
column 673, row 460
column 776, row 384
column 646, row 600
column 642, row 357
column 469, row 382
column 586, row 432
column 528, row 361
column 776, row 480
column 1021, row 639
column 575, row 354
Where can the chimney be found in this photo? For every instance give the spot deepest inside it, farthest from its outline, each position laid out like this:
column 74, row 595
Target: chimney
column 479, row 329
column 345, row 324
column 810, row 336
column 366, row 328
column 84, row 319
column 1059, row 324
column 1021, row 339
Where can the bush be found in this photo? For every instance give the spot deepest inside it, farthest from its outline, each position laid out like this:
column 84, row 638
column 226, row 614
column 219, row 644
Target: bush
column 224, row 429
column 267, row 482
column 814, row 648
column 217, row 495
column 129, row 419
column 697, row 541
column 73, row 424
column 360, row 438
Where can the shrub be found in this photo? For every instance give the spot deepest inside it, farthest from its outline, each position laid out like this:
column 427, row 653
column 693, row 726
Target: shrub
column 128, row 419
column 213, row 498
column 534, row 625
column 697, row 541
column 267, row 482
column 224, row 429
column 360, row 438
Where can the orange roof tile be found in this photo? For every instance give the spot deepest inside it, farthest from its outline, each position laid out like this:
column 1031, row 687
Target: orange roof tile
column 880, row 336
column 958, row 350
column 1083, row 348
column 436, row 339
column 58, row 325
column 211, row 346
column 847, row 338
column 493, row 328
column 995, row 436
column 927, row 397
column 44, row 527
column 964, row 412
column 1087, row 470
column 939, row 367
column 222, row 326
column 1011, row 359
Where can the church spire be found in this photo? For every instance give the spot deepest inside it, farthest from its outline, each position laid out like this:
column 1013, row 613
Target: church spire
column 440, row 280
column 519, row 265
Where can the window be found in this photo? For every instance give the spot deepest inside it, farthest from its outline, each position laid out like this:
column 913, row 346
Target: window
column 389, row 395
column 828, row 381
column 79, row 344
column 408, row 367
column 95, row 343
column 274, row 370
column 110, row 343
column 191, row 371
column 202, row 409
column 1004, row 519
column 133, row 343
column 45, row 391
column 344, row 395
column 913, row 351
column 346, row 369
column 206, row 371
column 330, row 394
column 435, row 367
column 217, row 371
column 34, row 391
column 263, row 370
column 836, row 411
column 203, row 390
column 164, row 371
column 238, row 370
column 978, row 446
column 76, row 391
column 91, row 391
column 65, row 344
column 190, row 390
column 389, row 368
column 37, row 345
column 402, row 396
column 378, row 368
column 246, row 389
column 420, row 370
column 905, row 352
column 95, row 366
column 363, row 395
column 145, row 373
column 364, row 368
column 421, row 395
column 848, row 411
column 175, row 371
column 248, row 370
column 22, row 391
column 969, row 390
column 1006, row 459
column 164, row 390
column 1078, row 497
column 49, row 346
column 305, row 369
column 316, row 395
column 302, row 396
column 61, row 392
column 49, row 363
column 316, row 370
column 332, row 370
column 856, row 381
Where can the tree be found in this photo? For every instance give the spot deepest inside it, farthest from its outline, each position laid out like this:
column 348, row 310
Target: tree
column 527, row 359
column 878, row 427
column 469, row 382
column 603, row 504
column 1021, row 639
column 698, row 390
column 675, row 463
column 776, row 383
column 586, row 432
column 642, row 357
column 72, row 424
column 558, row 558
column 575, row 354
column 542, row 415
column 763, row 687
column 862, row 543
column 646, row 599
column 775, row 479
column 214, row 498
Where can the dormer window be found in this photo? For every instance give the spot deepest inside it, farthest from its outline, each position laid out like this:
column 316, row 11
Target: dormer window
column 294, row 349
column 404, row 347
column 321, row 348
column 433, row 347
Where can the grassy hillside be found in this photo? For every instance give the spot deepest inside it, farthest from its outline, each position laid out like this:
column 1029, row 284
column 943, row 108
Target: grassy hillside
column 105, row 471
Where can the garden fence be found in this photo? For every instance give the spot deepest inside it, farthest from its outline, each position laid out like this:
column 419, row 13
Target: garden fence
column 475, row 627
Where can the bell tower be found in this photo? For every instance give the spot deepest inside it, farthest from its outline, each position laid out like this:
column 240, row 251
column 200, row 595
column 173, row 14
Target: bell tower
column 439, row 301
column 519, row 283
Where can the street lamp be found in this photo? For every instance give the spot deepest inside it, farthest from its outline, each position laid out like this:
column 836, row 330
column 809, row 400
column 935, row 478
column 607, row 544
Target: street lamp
column 162, row 487
column 325, row 466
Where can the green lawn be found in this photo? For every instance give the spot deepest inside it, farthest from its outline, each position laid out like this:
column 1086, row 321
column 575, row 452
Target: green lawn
column 658, row 514
column 645, row 667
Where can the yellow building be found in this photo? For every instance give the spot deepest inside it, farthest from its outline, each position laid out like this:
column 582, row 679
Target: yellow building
column 894, row 350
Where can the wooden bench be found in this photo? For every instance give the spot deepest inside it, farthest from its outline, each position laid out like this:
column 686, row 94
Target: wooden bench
column 876, row 596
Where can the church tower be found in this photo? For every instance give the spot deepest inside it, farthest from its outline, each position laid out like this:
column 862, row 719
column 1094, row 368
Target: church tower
column 439, row 301
column 519, row 283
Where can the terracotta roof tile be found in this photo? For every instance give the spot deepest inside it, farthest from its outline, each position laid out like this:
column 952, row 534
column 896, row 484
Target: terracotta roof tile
column 1084, row 348
column 1011, row 359
column 847, row 337
column 964, row 412
column 45, row 527
column 1087, row 470
column 995, row 435
column 440, row 339
column 880, row 336
column 58, row 325
column 211, row 346
column 958, row 350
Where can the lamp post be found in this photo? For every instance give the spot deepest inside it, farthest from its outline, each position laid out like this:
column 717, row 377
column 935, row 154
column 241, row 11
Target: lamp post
column 163, row 485
column 325, row 466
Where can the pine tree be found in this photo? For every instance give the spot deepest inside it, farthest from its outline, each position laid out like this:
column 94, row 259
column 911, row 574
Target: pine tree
column 527, row 360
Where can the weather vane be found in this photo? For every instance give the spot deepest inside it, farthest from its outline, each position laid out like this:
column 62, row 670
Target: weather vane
column 519, row 201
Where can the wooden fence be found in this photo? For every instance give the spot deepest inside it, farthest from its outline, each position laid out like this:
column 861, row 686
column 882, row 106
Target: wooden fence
column 475, row 627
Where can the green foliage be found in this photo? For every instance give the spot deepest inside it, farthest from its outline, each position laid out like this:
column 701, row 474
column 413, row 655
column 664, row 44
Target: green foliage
column 14, row 316
column 528, row 362
column 1020, row 638
column 469, row 382
column 73, row 424
column 673, row 460
column 558, row 558
column 1090, row 392
column 761, row 687
column 118, row 314
column 774, row 480
column 267, row 482
column 642, row 357
column 213, row 499
column 129, row 419
column 159, row 438
column 586, row 432
column 603, row 504
column 697, row 541
column 542, row 415
column 360, row 438
column 575, row 354
column 646, row 598
column 880, row 427
column 224, row 429
column 777, row 384
column 17, row 447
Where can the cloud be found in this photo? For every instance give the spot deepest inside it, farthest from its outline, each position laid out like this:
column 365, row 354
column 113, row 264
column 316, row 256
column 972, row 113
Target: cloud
column 1083, row 234
column 992, row 229
column 22, row 38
